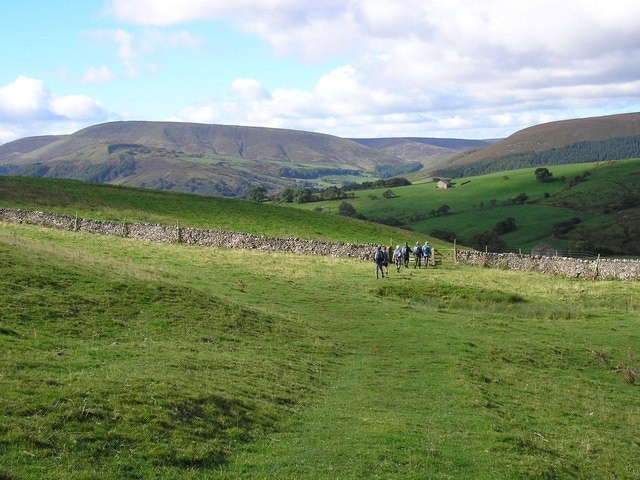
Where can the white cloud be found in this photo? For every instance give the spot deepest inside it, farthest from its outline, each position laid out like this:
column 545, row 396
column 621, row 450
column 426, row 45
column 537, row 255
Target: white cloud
column 250, row 89
column 100, row 74
column 447, row 64
column 410, row 67
column 25, row 98
column 133, row 47
column 28, row 106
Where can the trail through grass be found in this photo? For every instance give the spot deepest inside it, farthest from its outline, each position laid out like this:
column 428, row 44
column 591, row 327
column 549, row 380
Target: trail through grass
column 137, row 360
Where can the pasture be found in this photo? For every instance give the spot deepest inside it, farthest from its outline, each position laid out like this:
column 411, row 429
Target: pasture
column 127, row 359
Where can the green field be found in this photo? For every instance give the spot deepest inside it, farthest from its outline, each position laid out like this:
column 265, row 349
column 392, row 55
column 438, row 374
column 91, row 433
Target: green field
column 128, row 359
column 476, row 204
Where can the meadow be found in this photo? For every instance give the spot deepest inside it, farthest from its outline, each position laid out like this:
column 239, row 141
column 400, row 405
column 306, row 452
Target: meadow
column 128, row 359
column 476, row 204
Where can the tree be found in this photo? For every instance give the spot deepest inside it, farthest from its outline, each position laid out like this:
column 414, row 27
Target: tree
column 287, row 195
column 388, row 194
column 346, row 209
column 505, row 226
column 544, row 175
column 443, row 210
column 520, row 199
column 487, row 240
column 257, row 194
column 302, row 195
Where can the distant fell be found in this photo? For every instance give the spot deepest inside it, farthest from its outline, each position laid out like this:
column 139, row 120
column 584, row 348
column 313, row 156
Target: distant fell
column 220, row 160
column 558, row 134
column 431, row 152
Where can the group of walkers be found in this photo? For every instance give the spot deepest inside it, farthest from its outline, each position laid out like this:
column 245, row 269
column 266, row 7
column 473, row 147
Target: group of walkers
column 401, row 257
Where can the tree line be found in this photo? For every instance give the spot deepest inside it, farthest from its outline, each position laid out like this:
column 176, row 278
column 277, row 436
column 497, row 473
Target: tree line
column 618, row 148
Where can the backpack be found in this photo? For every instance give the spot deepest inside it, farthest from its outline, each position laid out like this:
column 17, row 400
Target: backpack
column 405, row 250
column 417, row 251
column 379, row 256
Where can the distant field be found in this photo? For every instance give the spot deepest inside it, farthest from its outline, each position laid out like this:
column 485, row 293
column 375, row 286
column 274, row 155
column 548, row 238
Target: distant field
column 477, row 203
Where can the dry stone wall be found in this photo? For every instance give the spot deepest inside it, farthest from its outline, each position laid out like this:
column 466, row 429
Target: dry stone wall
column 602, row 268
column 194, row 236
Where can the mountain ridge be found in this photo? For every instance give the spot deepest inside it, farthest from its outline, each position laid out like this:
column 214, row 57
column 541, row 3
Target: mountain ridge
column 229, row 160
column 210, row 159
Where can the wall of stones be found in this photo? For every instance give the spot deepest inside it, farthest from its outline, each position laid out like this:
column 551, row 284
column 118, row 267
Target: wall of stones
column 194, row 236
column 602, row 268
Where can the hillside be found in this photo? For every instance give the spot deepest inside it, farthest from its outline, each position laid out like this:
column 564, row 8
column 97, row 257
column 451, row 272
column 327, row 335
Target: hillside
column 206, row 159
column 594, row 203
column 586, row 138
column 431, row 152
column 228, row 161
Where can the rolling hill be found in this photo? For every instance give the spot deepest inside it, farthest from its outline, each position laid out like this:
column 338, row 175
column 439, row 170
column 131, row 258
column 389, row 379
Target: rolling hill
column 227, row 161
column 610, row 137
column 431, row 152
column 218, row 160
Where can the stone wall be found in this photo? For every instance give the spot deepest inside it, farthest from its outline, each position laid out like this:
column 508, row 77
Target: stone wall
column 601, row 268
column 194, row 236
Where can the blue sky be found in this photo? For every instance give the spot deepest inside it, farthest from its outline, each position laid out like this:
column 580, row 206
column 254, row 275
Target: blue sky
column 352, row 68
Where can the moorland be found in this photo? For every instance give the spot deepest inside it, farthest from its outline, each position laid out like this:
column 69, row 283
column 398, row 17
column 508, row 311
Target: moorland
column 227, row 160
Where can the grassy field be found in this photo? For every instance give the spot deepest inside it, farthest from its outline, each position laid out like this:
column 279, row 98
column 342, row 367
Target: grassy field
column 476, row 204
column 126, row 359
column 108, row 202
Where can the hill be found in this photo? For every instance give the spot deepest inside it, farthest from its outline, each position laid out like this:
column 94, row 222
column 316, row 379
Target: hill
column 431, row 152
column 228, row 161
column 611, row 137
column 205, row 159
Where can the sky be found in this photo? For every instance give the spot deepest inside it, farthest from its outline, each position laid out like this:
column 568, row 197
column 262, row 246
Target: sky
column 475, row 69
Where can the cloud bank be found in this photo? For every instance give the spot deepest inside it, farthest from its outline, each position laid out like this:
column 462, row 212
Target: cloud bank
column 449, row 68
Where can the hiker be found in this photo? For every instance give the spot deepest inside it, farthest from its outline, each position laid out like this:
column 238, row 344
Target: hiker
column 387, row 258
column 417, row 255
column 426, row 253
column 406, row 251
column 397, row 256
column 378, row 258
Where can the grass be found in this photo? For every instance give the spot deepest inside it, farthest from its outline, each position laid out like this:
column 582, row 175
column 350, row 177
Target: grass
column 478, row 203
column 125, row 359
column 108, row 202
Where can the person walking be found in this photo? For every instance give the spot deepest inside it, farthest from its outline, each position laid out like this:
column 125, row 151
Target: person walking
column 378, row 259
column 388, row 252
column 406, row 253
column 426, row 254
column 417, row 255
column 397, row 256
